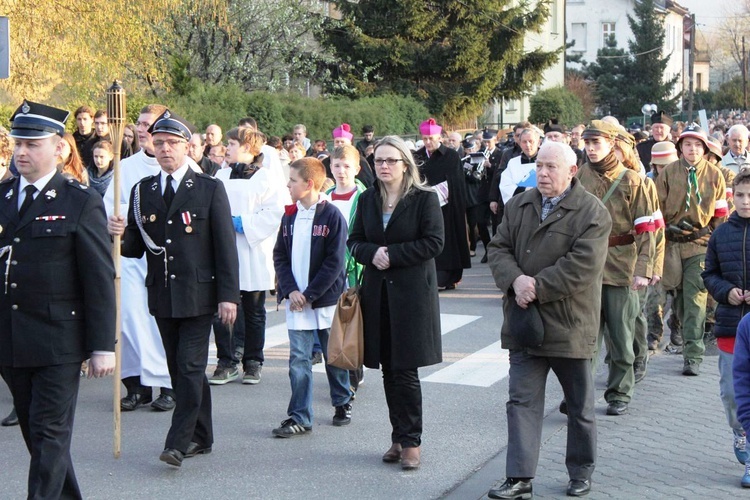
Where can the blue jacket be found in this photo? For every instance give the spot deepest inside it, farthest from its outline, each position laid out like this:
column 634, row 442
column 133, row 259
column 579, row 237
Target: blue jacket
column 741, row 373
column 327, row 276
column 728, row 267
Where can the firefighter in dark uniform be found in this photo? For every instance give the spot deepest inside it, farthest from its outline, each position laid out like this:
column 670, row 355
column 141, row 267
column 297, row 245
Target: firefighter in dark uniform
column 182, row 221
column 57, row 307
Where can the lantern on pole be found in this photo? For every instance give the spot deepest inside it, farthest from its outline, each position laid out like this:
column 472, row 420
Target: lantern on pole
column 116, row 116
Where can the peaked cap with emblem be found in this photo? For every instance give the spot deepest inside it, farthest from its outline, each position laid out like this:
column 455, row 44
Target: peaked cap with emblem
column 172, row 123
column 36, row 121
column 601, row 128
column 488, row 135
column 696, row 132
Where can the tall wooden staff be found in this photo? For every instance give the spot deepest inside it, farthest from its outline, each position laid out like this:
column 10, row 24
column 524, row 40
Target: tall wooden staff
column 116, row 115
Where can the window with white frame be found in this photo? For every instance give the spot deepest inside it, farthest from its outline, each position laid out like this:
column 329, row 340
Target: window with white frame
column 608, row 29
column 578, row 35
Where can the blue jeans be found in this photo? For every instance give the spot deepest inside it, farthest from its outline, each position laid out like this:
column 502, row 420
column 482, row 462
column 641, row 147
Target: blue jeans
column 726, row 388
column 301, row 376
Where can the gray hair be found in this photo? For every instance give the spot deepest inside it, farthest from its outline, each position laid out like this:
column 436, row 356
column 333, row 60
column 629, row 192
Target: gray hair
column 739, row 129
column 562, row 150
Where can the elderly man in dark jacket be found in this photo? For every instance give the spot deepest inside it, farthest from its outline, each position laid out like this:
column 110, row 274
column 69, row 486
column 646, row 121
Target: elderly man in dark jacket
column 547, row 258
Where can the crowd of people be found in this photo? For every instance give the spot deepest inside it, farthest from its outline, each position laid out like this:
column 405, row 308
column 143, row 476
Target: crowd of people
column 589, row 232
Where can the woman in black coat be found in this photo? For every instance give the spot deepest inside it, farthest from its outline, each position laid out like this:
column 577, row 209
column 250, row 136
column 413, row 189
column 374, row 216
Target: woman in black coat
column 396, row 234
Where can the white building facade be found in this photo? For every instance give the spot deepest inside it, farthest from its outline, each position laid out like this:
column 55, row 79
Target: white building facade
column 589, row 23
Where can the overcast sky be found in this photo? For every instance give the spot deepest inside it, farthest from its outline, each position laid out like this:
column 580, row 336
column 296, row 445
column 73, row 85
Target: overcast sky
column 707, row 12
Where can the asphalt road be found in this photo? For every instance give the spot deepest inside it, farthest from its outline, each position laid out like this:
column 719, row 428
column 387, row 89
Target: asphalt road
column 464, row 426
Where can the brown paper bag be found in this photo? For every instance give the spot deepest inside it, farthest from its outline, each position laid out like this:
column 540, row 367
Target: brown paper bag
column 346, row 345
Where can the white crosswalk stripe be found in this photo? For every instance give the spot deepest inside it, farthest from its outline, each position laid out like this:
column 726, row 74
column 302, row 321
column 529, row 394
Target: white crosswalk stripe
column 479, row 369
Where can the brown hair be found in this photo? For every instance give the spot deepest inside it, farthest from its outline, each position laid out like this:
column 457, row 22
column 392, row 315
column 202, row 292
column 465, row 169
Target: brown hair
column 248, row 137
column 310, row 169
column 105, row 145
column 347, row 152
column 153, row 109
column 73, row 166
column 743, row 177
column 84, row 109
column 629, row 156
column 100, row 113
column 6, row 146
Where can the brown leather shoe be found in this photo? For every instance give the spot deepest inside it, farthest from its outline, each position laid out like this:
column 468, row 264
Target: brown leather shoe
column 410, row 458
column 393, row 454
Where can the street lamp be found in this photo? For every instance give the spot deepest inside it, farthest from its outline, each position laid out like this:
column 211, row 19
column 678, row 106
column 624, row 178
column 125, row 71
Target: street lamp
column 648, row 110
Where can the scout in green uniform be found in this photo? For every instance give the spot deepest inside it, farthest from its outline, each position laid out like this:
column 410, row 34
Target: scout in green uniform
column 692, row 193
column 629, row 258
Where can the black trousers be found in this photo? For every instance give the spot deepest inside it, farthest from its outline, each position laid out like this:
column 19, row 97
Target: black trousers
column 134, row 386
column 525, row 408
column 249, row 334
column 45, row 400
column 186, row 345
column 478, row 220
column 403, row 391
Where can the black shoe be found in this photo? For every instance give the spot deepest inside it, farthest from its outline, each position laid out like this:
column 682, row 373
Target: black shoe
column 639, row 370
column 11, row 419
column 653, row 342
column 617, row 408
column 172, row 457
column 197, row 449
column 289, row 428
column 578, row 487
column 512, row 489
column 484, row 259
column 691, row 368
column 563, row 407
column 164, row 402
column 317, row 358
column 133, row 401
column 343, row 415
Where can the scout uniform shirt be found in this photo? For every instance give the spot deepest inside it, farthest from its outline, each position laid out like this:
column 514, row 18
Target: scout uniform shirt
column 710, row 211
column 631, row 213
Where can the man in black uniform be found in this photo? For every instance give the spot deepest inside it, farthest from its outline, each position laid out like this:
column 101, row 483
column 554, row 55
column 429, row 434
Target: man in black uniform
column 182, row 220
column 57, row 308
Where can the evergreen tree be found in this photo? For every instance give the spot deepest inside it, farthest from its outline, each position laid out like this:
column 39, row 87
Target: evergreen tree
column 454, row 55
column 648, row 85
column 611, row 76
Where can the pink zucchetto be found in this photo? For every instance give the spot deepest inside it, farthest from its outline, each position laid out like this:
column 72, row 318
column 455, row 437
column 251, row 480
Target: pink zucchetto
column 430, row 127
column 343, row 130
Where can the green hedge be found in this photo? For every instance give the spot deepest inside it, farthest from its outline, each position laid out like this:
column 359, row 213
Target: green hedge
column 276, row 113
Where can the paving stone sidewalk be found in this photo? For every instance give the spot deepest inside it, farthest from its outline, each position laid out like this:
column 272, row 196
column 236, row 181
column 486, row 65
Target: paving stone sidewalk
column 674, row 444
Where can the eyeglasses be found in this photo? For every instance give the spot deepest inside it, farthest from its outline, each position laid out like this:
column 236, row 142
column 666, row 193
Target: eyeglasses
column 388, row 161
column 142, row 124
column 171, row 142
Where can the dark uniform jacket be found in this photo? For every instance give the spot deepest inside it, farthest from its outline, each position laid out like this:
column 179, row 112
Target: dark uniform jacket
column 59, row 304
column 202, row 267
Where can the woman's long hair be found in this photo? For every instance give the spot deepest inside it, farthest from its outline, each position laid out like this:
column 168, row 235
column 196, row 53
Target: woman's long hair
column 412, row 179
column 136, row 146
column 73, row 166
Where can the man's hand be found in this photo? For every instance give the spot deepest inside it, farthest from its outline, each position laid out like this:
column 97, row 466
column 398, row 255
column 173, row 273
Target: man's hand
column 639, row 282
column 493, row 207
column 116, row 225
column 381, row 260
column 101, row 365
column 227, row 313
column 525, row 290
column 735, row 297
column 296, row 301
column 655, row 279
